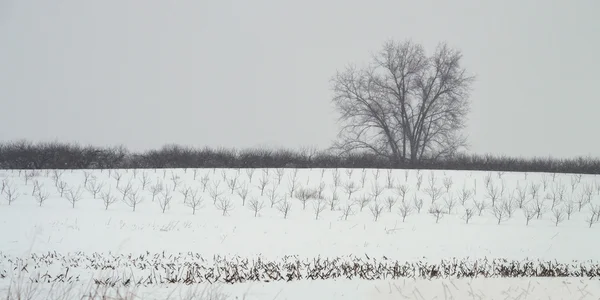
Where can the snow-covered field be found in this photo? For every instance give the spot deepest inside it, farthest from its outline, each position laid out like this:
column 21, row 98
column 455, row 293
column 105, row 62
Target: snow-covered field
column 152, row 227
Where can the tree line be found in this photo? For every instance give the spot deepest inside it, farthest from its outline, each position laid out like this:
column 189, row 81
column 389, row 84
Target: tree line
column 56, row 155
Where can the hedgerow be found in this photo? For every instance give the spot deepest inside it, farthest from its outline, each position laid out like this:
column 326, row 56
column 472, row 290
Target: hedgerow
column 26, row 155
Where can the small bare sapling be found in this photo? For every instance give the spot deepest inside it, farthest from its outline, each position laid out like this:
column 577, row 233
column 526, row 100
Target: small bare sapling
column 125, row 190
column 94, row 188
column 499, row 213
column 176, row 180
column 145, row 179
column 347, row 211
column 273, row 196
column 333, row 201
column 284, row 206
column 401, row 190
column 363, row 201
column 61, row 186
column 304, row 194
column 224, row 205
column 107, row 198
column 450, row 203
column 468, row 214
column 293, row 182
column 256, row 205
column 376, row 209
column 569, row 208
column 418, row 203
column 243, row 191
column 133, row 199
column 319, row 206
column 204, row 181
column 41, row 196
column 492, row 193
column 404, row 210
column 448, row 183
column 350, row 188
column 263, row 182
column 465, row 195
column 558, row 214
column 529, row 211
column 156, row 189
column 164, row 200
column 250, row 174
column 436, row 211
column 195, row 201
column 390, row 201
column 74, row 196
column 215, row 192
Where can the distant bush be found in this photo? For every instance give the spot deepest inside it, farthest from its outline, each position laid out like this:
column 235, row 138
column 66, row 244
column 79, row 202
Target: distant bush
column 27, row 155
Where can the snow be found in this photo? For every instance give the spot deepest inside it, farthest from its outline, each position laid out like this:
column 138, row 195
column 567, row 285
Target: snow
column 27, row 227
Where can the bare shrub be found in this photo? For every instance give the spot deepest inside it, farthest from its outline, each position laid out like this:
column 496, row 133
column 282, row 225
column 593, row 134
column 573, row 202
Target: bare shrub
column 284, row 207
column 256, row 206
column 74, row 196
column 436, row 211
column 555, row 195
column 117, row 176
column 195, row 201
column 521, row 196
column 569, row 208
column 509, row 206
column 224, row 205
column 376, row 190
column 293, row 182
column 405, row 209
column 534, row 190
column 164, row 200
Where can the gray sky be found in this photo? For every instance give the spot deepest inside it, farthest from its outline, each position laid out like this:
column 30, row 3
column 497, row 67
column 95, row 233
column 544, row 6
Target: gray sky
column 256, row 73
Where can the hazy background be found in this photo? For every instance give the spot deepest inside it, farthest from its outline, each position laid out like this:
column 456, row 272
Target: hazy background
column 256, row 73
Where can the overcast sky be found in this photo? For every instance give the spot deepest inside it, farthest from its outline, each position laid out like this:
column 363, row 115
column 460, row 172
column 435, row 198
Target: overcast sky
column 256, row 73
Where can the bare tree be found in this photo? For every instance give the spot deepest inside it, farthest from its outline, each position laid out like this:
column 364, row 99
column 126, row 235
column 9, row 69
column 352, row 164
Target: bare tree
column 509, row 206
column 347, row 211
column 389, row 179
column 521, row 196
column 540, row 207
column 175, row 179
column 569, row 208
column 305, row 194
column 450, row 203
column 448, row 183
column 376, row 190
column 145, row 180
column 125, row 190
column 41, row 197
column 350, row 187
column 293, row 182
column 418, row 203
column 195, row 200
column 117, row 176
column 250, row 174
column 224, row 205
column 74, row 196
column 61, row 186
column 156, row 189
column 279, row 172
column 493, row 193
column 164, row 200
column 363, row 201
column 107, row 198
column 469, row 212
column 263, row 182
column 434, row 193
column 363, row 178
column 534, row 190
column 436, row 211
column 419, row 181
column 332, row 201
column 319, row 206
column 94, row 188
column 406, row 105
column 256, row 206
column 376, row 209
column 402, row 190
column 559, row 215
column 465, row 195
column 133, row 199
column 243, row 191
column 529, row 211
column 404, row 210
column 204, row 181
column 215, row 192
column 390, row 201
column 284, row 207
column 86, row 177
column 591, row 219
column 273, row 196
column 480, row 205
column 499, row 213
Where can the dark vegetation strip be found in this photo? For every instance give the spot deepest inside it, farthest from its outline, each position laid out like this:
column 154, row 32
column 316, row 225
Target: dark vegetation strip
column 26, row 155
column 189, row 268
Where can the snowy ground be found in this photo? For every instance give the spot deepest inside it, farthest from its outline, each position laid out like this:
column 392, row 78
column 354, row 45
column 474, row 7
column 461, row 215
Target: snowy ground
column 567, row 206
